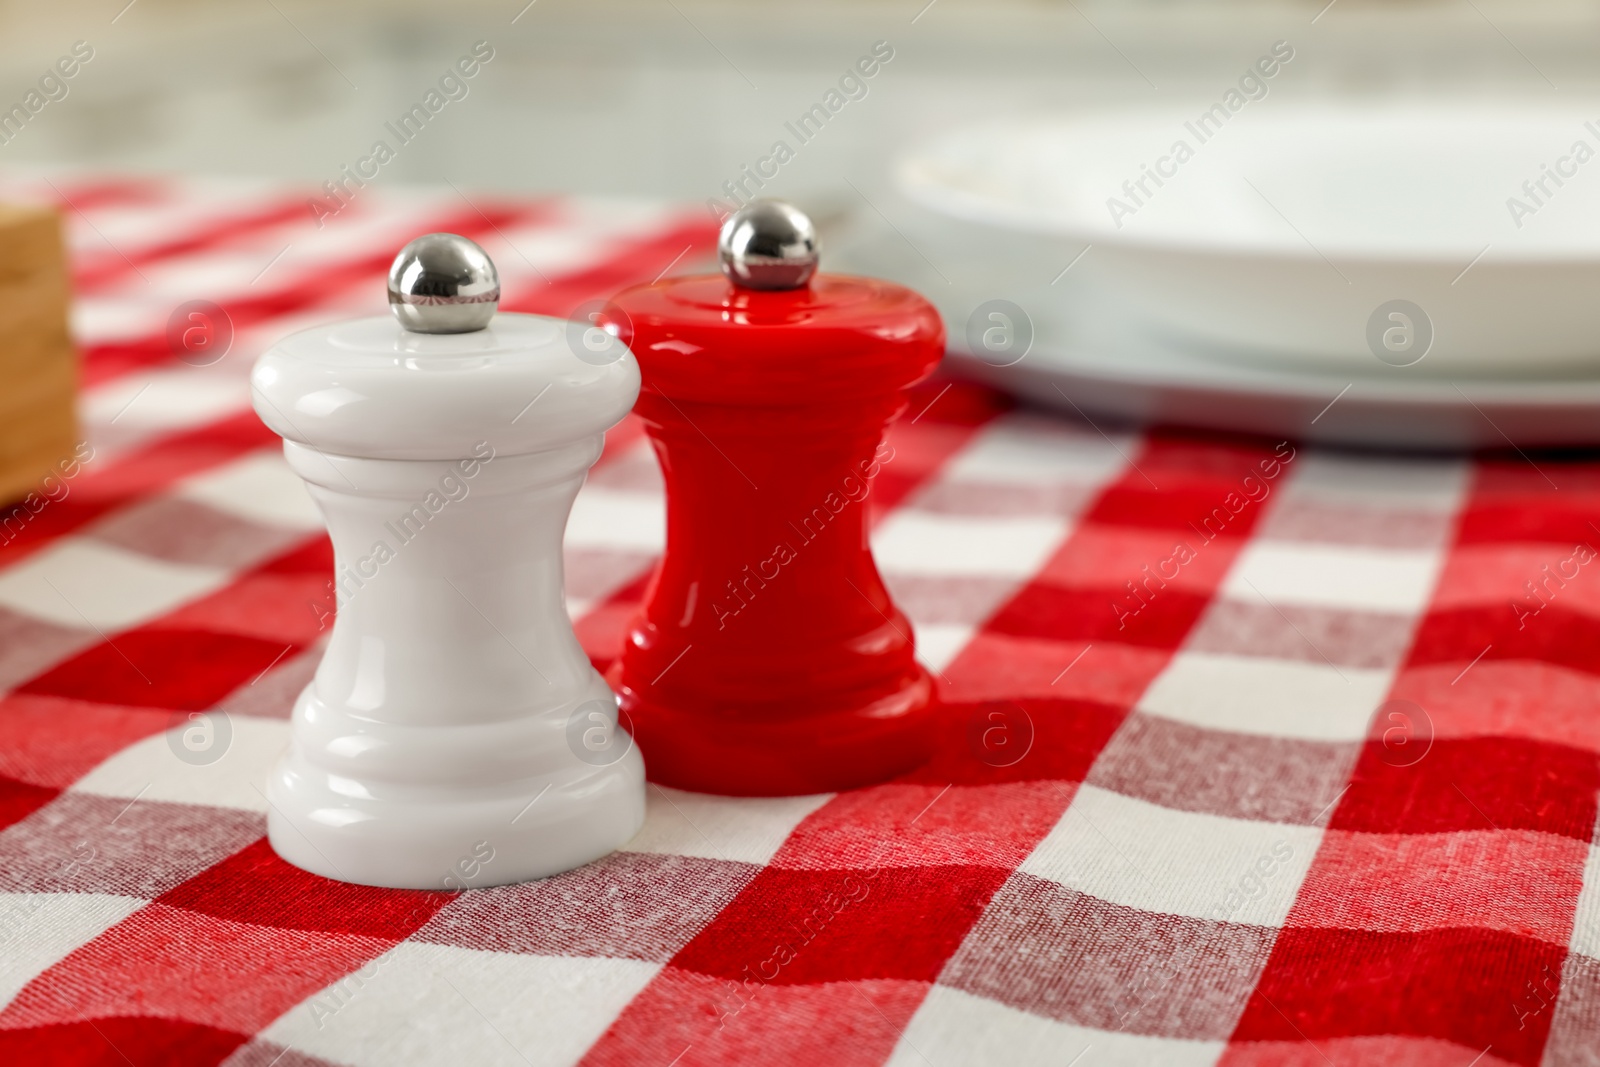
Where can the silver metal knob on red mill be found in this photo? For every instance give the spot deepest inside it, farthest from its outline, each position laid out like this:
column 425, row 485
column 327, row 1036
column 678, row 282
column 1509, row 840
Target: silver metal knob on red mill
column 455, row 734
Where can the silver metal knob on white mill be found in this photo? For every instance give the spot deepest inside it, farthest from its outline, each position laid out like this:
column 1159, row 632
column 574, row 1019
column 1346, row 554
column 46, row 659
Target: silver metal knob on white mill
column 443, row 283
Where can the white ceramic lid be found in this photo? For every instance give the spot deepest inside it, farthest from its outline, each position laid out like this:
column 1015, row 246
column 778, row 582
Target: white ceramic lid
column 368, row 387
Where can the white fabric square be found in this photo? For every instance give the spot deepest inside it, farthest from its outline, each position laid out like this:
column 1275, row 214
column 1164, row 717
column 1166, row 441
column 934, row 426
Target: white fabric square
column 619, row 217
column 1392, row 483
column 261, row 487
column 105, row 319
column 83, row 583
column 167, row 400
column 1360, row 578
column 523, row 253
column 615, row 518
column 937, row 645
column 383, row 223
column 227, row 269
column 1024, row 450
column 923, row 542
column 1586, row 923
column 1279, row 698
column 1157, row 859
column 236, row 778
column 183, row 208
column 38, row 930
column 953, row 1029
column 738, row 829
column 422, row 1003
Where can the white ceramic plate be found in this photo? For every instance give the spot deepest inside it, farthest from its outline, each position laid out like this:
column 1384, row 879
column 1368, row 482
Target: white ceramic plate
column 1146, row 382
column 1089, row 360
column 1288, row 231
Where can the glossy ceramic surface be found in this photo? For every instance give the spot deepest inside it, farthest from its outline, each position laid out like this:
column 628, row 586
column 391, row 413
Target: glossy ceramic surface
column 455, row 734
column 1280, row 235
column 768, row 658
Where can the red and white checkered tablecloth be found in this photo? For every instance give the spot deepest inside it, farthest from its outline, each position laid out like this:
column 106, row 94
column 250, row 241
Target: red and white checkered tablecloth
column 1255, row 754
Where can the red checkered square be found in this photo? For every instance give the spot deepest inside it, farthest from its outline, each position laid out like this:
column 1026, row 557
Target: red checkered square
column 1515, row 698
column 314, row 558
column 1104, row 614
column 998, row 667
column 1515, row 881
column 54, row 741
column 1529, row 575
column 156, row 667
column 272, row 695
column 255, row 886
column 1496, row 632
column 986, row 742
column 1486, row 783
column 172, row 963
column 703, row 1021
column 267, row 606
column 1513, row 502
column 802, row 927
column 1463, row 985
column 1389, row 1048
column 927, row 825
column 1107, row 555
column 18, row 800
column 114, row 1041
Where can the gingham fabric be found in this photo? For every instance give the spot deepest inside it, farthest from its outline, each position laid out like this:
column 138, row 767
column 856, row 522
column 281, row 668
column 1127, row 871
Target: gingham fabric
column 1253, row 754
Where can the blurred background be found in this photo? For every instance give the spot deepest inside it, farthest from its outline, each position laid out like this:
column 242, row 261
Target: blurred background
column 1245, row 297
column 668, row 98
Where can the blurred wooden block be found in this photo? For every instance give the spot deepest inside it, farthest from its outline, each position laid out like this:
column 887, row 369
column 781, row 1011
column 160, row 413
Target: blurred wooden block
column 38, row 364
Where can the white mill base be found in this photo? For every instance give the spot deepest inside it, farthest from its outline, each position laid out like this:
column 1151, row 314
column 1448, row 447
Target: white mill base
column 445, row 742
column 450, row 838
column 409, row 838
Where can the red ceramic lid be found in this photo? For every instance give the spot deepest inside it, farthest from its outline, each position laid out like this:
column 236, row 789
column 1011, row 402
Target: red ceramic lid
column 703, row 338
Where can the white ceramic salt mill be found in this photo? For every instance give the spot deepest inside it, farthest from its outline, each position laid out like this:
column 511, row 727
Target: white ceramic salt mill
column 455, row 735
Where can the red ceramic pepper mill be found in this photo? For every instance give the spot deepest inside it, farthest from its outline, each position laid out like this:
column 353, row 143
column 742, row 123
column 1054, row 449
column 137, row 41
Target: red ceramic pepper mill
column 768, row 658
